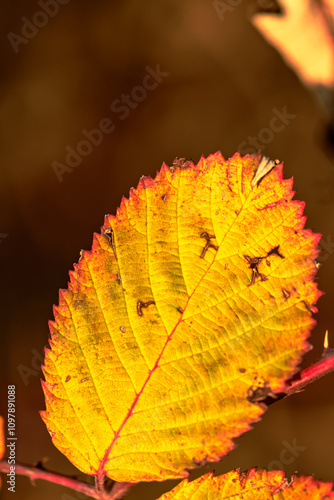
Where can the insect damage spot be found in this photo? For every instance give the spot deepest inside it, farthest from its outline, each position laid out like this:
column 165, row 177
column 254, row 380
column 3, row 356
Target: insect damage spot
column 68, row 378
column 255, row 261
column 84, row 380
column 275, row 251
column 181, row 163
column 141, row 304
column 286, row 293
column 208, row 244
column 180, row 310
column 109, row 233
column 164, row 197
column 253, row 265
column 257, row 394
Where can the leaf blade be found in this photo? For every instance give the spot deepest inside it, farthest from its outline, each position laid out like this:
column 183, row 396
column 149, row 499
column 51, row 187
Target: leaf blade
column 249, row 485
column 173, row 327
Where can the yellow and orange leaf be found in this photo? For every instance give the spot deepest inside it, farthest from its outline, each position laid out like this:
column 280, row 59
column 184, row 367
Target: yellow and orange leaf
column 192, row 307
column 251, row 485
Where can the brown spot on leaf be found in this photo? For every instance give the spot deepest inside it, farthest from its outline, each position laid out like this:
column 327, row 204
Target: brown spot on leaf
column 119, row 279
column 208, row 244
column 256, row 394
column 253, row 265
column 180, row 310
column 275, row 251
column 109, row 233
column 164, row 197
column 255, row 261
column 84, row 380
column 242, row 370
column 68, row 378
column 286, row 293
column 122, row 328
column 181, row 163
column 141, row 304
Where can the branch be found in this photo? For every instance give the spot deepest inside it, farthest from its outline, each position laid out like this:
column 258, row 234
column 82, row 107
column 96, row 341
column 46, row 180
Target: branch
column 312, row 373
column 119, row 489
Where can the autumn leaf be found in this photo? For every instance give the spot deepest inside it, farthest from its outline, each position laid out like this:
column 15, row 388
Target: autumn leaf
column 249, row 485
column 304, row 37
column 192, row 307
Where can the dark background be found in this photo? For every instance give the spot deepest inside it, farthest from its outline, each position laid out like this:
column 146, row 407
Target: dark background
column 224, row 83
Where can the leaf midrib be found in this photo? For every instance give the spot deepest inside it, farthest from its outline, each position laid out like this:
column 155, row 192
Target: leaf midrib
column 104, row 460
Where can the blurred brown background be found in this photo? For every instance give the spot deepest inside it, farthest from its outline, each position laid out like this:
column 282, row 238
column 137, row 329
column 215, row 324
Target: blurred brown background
column 224, row 83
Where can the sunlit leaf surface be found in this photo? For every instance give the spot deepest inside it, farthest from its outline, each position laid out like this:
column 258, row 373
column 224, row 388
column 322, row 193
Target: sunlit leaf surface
column 251, row 485
column 192, row 307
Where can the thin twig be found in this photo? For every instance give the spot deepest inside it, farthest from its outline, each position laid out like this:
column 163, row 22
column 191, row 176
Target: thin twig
column 119, row 489
column 312, row 373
